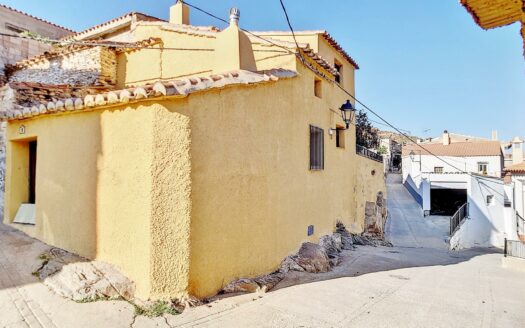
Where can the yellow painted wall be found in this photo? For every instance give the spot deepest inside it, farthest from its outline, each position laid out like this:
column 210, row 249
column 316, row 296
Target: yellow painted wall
column 112, row 185
column 124, row 187
column 66, row 185
column 367, row 188
column 253, row 195
column 185, row 195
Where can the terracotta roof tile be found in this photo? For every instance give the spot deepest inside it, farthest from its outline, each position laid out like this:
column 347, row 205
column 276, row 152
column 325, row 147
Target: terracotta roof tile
column 516, row 168
column 458, row 149
column 176, row 88
column 494, row 13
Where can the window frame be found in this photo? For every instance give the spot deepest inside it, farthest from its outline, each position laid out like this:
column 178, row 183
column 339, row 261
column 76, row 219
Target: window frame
column 316, row 148
column 486, row 164
column 339, row 68
column 340, row 137
column 318, row 87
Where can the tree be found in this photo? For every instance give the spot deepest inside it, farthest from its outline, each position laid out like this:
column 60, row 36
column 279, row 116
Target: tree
column 366, row 135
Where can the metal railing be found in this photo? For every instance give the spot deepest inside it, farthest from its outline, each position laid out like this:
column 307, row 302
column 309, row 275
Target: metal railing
column 520, row 225
column 514, row 248
column 458, row 217
column 365, row 152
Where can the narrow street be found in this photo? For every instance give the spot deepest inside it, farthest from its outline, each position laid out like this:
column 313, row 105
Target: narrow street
column 417, row 283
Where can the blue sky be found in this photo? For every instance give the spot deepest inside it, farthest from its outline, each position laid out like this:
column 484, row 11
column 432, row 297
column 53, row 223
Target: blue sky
column 424, row 64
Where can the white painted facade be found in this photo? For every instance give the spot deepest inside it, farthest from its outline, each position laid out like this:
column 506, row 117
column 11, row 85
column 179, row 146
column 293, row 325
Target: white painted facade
column 518, row 183
column 489, row 222
column 428, row 164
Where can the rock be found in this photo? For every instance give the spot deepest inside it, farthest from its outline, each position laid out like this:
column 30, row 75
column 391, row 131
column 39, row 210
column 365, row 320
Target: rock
column 241, row 286
column 89, row 281
column 312, row 258
column 338, row 241
column 327, row 243
column 268, row 282
column 262, row 283
column 335, row 261
column 289, row 264
column 347, row 242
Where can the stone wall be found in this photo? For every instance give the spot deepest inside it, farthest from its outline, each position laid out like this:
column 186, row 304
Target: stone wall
column 14, row 49
column 91, row 66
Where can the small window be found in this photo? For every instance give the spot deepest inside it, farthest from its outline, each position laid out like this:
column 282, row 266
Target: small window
column 339, row 68
column 483, row 167
column 318, row 88
column 438, row 169
column 316, row 148
column 340, row 137
column 490, row 200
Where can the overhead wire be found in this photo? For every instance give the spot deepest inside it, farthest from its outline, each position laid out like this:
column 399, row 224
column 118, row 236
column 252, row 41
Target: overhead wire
column 379, row 116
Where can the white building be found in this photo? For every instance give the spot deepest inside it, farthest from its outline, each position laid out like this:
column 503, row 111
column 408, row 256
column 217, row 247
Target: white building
column 443, row 176
column 391, row 154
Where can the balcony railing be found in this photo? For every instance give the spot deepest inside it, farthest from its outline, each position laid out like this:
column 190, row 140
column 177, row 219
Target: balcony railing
column 520, row 225
column 458, row 217
column 514, row 248
column 360, row 150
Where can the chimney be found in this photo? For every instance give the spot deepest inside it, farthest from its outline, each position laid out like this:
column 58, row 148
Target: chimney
column 446, row 138
column 233, row 48
column 494, row 135
column 517, row 150
column 180, row 13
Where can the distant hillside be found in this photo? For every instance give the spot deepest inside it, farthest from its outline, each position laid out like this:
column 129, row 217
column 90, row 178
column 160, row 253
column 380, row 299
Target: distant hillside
column 399, row 138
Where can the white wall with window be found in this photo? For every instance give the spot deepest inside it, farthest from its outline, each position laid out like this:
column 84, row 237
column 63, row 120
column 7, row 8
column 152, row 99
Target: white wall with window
column 488, row 223
column 417, row 164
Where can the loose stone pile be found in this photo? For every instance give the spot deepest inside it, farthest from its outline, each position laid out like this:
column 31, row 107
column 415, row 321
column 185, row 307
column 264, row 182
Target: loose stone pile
column 312, row 258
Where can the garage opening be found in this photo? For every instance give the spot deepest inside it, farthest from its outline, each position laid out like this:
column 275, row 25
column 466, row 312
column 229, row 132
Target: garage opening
column 446, row 201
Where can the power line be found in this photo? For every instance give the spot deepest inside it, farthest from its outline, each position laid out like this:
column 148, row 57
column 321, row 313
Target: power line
column 379, row 116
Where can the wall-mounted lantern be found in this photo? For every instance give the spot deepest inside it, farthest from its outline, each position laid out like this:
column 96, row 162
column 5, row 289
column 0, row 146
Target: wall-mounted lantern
column 347, row 114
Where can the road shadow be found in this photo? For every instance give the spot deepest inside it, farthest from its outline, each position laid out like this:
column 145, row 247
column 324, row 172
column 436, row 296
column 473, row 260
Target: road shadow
column 367, row 259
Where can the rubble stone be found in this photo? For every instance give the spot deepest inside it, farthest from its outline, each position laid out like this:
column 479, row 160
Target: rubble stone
column 289, row 264
column 262, row 283
column 312, row 258
column 90, row 66
column 241, row 286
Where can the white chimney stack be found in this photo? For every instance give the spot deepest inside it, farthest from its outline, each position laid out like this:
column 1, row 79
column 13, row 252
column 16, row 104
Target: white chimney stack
column 446, row 138
column 235, row 15
column 517, row 150
column 494, row 135
column 180, row 13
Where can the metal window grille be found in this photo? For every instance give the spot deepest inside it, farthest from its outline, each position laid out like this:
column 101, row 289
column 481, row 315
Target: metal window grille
column 438, row 169
column 316, row 148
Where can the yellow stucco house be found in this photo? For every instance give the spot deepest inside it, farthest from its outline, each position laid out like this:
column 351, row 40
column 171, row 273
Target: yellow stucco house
column 185, row 155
